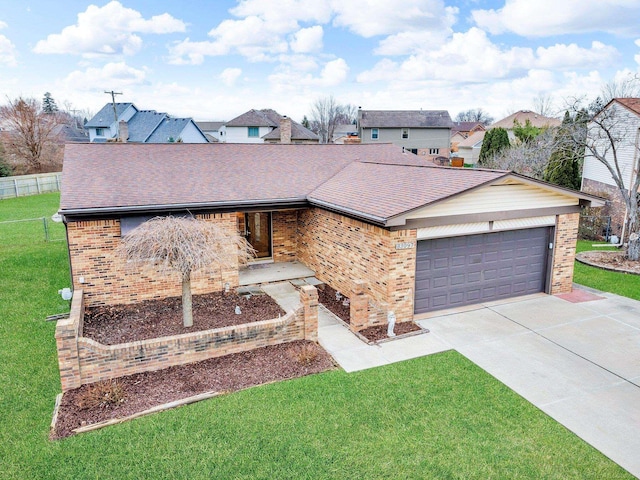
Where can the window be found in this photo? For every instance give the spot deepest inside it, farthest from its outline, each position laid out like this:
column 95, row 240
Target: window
column 374, row 134
column 99, row 132
column 434, row 151
column 405, row 133
column 254, row 131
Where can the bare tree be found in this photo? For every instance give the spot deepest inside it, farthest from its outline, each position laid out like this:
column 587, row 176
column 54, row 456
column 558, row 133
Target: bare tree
column 31, row 134
column 527, row 158
column 474, row 115
column 612, row 139
column 544, row 105
column 184, row 245
column 326, row 113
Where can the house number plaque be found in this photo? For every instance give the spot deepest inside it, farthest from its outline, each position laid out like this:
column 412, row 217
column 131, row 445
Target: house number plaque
column 404, row 245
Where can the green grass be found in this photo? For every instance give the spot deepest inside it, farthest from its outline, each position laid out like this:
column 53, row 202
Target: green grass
column 624, row 284
column 434, row 417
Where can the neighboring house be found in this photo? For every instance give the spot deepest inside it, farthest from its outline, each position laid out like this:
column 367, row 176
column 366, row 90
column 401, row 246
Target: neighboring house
column 369, row 220
column 258, row 126
column 624, row 114
column 521, row 117
column 289, row 131
column 214, row 131
column 423, row 132
column 469, row 148
column 141, row 126
column 461, row 131
column 344, row 132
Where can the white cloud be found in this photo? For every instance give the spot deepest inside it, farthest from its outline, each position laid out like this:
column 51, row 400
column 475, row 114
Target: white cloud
column 111, row 75
column 333, row 73
column 108, row 30
column 637, row 57
column 307, row 40
column 563, row 57
column 8, row 53
column 230, row 75
column 552, row 17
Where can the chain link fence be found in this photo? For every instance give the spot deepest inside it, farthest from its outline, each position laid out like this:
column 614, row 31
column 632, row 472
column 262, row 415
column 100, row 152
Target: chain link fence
column 31, row 230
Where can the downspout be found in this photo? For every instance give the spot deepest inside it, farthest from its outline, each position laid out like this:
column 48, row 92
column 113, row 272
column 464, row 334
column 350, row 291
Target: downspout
column 626, row 209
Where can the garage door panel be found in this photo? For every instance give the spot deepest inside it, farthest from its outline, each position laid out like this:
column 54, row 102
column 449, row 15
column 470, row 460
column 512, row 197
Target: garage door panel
column 463, row 270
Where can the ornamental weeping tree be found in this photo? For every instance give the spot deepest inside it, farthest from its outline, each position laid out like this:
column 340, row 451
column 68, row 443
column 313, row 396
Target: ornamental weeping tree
column 184, row 245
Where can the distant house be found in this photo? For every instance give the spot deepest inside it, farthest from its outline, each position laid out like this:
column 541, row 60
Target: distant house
column 521, row 117
column 462, row 130
column 264, row 126
column 344, row 133
column 129, row 124
column 423, row 132
column 469, row 148
column 623, row 120
column 214, row 131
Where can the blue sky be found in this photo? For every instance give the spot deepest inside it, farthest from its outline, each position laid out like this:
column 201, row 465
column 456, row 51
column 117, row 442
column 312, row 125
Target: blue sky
column 214, row 60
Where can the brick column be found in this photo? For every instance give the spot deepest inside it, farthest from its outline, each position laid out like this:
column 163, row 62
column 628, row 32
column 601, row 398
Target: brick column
column 67, row 344
column 359, row 306
column 309, row 299
column 564, row 253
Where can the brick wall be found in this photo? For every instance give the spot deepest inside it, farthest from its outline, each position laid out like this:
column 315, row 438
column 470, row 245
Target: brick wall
column 109, row 281
column 615, row 207
column 564, row 253
column 284, row 235
column 82, row 360
column 345, row 252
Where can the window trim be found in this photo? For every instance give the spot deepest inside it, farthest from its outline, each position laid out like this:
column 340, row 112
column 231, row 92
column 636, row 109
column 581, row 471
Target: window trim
column 434, row 151
column 255, row 129
column 100, row 132
column 404, row 131
column 375, row 134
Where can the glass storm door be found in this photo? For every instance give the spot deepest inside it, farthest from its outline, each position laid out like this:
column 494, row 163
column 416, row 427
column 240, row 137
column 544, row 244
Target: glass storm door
column 258, row 233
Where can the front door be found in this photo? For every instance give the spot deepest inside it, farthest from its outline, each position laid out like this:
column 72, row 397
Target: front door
column 257, row 231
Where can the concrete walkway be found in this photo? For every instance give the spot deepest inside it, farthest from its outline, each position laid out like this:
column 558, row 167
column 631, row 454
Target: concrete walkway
column 576, row 358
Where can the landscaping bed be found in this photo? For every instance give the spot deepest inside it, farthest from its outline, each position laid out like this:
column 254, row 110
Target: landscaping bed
column 379, row 332
column 327, row 297
column 111, row 325
column 128, row 395
column 610, row 260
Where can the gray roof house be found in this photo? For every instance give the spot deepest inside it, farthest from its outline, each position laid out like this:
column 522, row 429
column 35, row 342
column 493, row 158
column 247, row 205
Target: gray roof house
column 141, row 126
column 214, row 131
column 264, row 126
column 423, row 132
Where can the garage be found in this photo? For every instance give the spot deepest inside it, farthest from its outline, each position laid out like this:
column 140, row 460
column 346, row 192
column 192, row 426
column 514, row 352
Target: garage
column 464, row 270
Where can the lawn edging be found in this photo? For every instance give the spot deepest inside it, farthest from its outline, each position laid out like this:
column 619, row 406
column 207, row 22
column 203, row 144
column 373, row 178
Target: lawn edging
column 83, row 360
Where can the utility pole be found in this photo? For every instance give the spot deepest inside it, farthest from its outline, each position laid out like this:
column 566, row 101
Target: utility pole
column 113, row 103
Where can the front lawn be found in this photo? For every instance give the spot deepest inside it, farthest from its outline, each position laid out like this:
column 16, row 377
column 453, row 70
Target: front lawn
column 433, row 417
column 624, row 284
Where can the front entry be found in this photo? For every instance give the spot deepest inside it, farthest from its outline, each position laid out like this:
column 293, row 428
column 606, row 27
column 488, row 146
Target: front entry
column 257, row 231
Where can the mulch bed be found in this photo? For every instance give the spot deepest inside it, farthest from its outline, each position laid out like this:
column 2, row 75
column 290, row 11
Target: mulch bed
column 611, row 260
column 111, row 325
column 327, row 297
column 230, row 373
column 379, row 332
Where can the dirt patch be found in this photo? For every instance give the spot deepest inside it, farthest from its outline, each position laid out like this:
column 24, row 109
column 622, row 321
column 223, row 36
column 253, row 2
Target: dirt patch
column 139, row 392
column 611, row 260
column 379, row 332
column 111, row 325
column 338, row 306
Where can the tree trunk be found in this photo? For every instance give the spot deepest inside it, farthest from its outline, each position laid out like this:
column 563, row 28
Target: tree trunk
column 633, row 249
column 187, row 310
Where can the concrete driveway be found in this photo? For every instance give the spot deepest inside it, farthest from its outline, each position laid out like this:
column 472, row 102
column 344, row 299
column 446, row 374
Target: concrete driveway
column 577, row 362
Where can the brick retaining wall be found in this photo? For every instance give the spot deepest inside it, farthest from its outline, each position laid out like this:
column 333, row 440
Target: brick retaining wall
column 82, row 360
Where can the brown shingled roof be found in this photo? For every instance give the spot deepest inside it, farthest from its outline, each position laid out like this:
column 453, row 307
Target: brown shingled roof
column 120, row 176
column 384, row 190
column 632, row 104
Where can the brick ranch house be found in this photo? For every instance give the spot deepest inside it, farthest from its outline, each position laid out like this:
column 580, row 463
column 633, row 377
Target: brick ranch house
column 367, row 219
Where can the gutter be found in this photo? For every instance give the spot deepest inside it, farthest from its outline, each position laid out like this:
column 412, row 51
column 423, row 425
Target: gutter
column 380, row 221
column 172, row 207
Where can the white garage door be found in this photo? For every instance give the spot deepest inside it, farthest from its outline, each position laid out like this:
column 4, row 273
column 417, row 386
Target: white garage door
column 456, row 271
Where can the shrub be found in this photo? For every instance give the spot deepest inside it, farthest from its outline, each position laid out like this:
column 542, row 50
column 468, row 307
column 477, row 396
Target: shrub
column 102, row 394
column 305, row 354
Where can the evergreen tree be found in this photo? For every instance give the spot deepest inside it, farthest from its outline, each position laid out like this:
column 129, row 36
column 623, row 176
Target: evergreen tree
column 49, row 104
column 565, row 162
column 305, row 122
column 5, row 168
column 495, row 140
